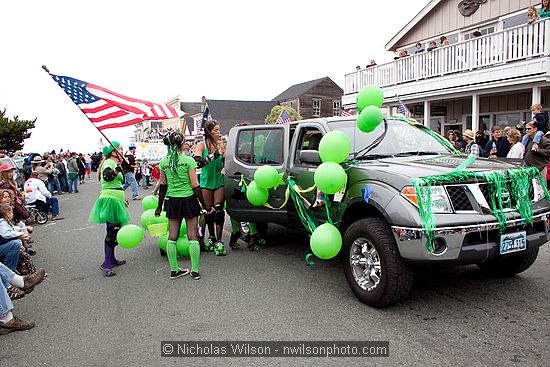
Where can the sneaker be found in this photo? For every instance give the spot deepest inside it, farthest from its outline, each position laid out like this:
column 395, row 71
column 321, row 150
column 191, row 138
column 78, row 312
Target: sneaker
column 137, row 198
column 178, row 274
column 57, row 217
column 195, row 275
column 15, row 325
column 76, row 191
column 29, row 281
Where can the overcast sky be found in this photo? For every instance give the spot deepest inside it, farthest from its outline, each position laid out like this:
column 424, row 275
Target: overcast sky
column 155, row 50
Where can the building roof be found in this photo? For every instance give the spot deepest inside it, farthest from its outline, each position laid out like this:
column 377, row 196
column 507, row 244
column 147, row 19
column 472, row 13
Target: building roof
column 299, row 89
column 432, row 4
column 228, row 113
column 191, row 108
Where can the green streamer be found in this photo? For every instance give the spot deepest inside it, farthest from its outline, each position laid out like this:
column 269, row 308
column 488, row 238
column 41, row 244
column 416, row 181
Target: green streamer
column 514, row 181
column 468, row 161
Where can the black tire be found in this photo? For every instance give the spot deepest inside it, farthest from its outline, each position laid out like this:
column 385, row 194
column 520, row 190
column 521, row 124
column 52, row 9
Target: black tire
column 396, row 276
column 41, row 217
column 510, row 265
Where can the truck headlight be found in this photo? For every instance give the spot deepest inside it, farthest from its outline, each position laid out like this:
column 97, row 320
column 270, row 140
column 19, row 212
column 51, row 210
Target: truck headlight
column 538, row 190
column 440, row 199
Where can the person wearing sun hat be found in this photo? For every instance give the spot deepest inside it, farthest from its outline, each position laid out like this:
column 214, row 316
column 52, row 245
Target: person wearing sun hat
column 111, row 207
column 471, row 146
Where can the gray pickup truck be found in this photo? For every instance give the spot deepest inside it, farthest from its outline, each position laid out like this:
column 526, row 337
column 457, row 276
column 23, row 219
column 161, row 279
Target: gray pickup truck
column 378, row 215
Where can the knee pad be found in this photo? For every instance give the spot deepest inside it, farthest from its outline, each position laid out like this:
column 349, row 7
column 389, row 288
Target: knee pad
column 209, row 218
column 219, row 214
column 110, row 238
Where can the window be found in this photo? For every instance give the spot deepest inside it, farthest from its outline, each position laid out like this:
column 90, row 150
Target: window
column 262, row 146
column 316, row 107
column 507, row 119
column 336, row 108
column 309, row 139
column 514, row 21
column 484, row 31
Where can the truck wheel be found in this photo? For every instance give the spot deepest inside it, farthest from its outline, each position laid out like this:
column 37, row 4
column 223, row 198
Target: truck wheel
column 374, row 269
column 511, row 265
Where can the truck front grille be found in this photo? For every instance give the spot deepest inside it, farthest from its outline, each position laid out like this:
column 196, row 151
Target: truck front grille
column 459, row 198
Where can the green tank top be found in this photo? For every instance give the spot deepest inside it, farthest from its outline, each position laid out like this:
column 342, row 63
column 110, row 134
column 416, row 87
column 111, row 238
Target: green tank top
column 179, row 183
column 211, row 174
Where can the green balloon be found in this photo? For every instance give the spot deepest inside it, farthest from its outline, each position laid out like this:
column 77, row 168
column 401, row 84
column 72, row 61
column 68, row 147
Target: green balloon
column 369, row 119
column 326, row 241
column 163, row 241
column 129, row 236
column 334, row 147
column 182, row 245
column 149, row 202
column 160, row 219
column 266, row 177
column 183, row 228
column 146, row 217
column 330, row 177
column 370, row 95
column 256, row 195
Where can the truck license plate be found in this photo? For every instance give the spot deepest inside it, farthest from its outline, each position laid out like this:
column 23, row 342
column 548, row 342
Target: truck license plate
column 513, row 242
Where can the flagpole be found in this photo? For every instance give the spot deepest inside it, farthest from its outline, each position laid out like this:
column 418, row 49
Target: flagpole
column 120, row 156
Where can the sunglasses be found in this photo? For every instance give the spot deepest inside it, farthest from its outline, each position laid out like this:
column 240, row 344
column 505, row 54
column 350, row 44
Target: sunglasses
column 528, row 128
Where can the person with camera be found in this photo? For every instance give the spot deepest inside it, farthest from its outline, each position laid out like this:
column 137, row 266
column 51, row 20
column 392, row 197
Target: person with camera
column 181, row 196
column 210, row 155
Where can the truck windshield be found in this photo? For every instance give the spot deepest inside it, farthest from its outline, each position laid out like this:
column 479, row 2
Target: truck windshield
column 393, row 138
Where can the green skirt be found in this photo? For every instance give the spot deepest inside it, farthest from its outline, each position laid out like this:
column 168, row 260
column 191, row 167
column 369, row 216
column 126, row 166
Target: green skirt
column 110, row 208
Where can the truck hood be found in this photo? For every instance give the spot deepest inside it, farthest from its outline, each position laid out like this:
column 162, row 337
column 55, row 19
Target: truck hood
column 400, row 171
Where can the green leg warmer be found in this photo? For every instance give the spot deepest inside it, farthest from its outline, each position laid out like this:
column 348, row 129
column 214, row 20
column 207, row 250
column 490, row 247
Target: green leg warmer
column 234, row 226
column 253, row 229
column 172, row 253
column 194, row 253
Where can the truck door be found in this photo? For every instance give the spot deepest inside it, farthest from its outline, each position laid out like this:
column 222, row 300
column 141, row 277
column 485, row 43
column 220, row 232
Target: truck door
column 307, row 137
column 248, row 148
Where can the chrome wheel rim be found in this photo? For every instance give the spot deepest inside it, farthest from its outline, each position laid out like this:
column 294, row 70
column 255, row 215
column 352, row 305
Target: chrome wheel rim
column 365, row 264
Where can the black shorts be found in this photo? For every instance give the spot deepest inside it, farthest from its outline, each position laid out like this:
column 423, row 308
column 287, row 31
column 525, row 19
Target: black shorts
column 179, row 208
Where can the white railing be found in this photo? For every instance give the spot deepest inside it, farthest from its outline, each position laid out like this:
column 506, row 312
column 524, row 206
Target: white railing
column 518, row 43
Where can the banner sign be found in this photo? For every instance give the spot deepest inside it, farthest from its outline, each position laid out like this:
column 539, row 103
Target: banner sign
column 151, row 151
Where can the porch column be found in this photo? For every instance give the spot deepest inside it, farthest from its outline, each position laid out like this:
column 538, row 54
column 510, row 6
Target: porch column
column 536, row 95
column 427, row 116
column 475, row 113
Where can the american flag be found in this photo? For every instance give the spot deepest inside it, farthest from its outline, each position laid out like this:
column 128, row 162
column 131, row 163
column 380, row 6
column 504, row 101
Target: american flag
column 403, row 109
column 344, row 112
column 283, row 118
column 107, row 109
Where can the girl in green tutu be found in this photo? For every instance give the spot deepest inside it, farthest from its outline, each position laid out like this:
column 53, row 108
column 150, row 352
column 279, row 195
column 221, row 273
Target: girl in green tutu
column 111, row 207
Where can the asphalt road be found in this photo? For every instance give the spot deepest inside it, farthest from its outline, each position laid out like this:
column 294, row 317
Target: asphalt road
column 452, row 317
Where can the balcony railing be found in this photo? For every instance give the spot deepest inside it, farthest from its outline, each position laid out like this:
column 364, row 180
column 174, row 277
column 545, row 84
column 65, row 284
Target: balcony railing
column 513, row 44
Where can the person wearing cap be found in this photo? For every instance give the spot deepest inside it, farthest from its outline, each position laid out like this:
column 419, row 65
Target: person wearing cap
column 129, row 171
column 111, row 207
column 471, row 146
column 44, row 170
column 8, row 183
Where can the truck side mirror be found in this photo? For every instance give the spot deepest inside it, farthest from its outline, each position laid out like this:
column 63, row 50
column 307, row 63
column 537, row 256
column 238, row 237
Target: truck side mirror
column 310, row 156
